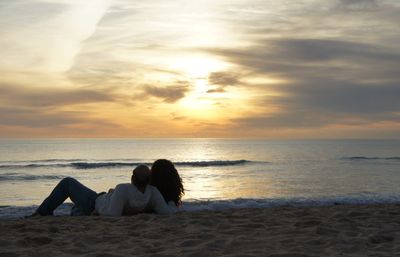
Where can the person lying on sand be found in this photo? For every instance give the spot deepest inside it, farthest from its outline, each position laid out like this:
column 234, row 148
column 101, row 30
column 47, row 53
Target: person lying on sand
column 126, row 199
column 133, row 198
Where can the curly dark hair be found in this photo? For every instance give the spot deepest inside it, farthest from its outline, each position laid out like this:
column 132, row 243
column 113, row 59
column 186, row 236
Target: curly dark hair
column 165, row 177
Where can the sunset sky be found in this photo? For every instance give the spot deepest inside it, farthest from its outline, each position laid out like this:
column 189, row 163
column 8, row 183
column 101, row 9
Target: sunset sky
column 207, row 68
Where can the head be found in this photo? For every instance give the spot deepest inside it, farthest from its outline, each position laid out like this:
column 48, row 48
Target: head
column 165, row 177
column 141, row 176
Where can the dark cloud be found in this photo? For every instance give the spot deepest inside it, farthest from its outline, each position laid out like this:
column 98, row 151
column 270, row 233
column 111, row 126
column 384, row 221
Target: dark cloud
column 359, row 4
column 342, row 97
column 25, row 96
column 329, row 82
column 295, row 119
column 298, row 57
column 34, row 118
column 316, row 104
column 216, row 90
column 168, row 94
column 42, row 118
column 221, row 80
column 364, row 20
column 41, row 108
column 310, row 119
column 322, row 50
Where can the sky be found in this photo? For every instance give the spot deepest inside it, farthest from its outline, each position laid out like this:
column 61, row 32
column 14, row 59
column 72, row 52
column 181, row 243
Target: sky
column 209, row 68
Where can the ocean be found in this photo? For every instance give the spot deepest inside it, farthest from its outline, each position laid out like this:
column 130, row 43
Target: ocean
column 217, row 173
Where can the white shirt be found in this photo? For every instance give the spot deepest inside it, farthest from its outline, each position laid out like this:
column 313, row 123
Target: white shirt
column 127, row 199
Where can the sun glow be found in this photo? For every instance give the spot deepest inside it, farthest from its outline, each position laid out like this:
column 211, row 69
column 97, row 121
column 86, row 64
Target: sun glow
column 197, row 66
column 197, row 100
column 197, row 69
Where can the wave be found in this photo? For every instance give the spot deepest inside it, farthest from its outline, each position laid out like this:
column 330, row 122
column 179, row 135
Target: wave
column 15, row 212
column 113, row 164
column 7, row 211
column 57, row 160
column 355, row 158
column 212, row 163
column 90, row 165
column 29, row 177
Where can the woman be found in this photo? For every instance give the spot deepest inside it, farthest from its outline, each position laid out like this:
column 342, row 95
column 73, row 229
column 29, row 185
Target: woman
column 87, row 201
column 166, row 179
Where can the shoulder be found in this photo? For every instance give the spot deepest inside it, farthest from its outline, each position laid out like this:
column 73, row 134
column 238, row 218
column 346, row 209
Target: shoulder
column 124, row 186
column 151, row 188
column 154, row 191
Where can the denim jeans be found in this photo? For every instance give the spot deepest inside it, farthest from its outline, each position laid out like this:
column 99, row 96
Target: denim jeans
column 83, row 198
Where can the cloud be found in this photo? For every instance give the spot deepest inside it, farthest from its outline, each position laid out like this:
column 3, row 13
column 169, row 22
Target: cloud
column 311, row 106
column 35, row 118
column 216, row 90
column 322, row 50
column 359, row 4
column 44, row 36
column 43, row 118
column 177, row 117
column 328, row 82
column 309, row 56
column 335, row 62
column 14, row 95
column 222, row 80
column 169, row 94
column 342, row 97
column 46, row 108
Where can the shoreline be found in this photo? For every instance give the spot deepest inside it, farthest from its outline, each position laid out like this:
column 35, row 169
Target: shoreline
column 339, row 230
column 12, row 212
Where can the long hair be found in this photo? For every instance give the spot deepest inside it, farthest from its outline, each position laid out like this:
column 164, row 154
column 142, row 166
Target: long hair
column 165, row 177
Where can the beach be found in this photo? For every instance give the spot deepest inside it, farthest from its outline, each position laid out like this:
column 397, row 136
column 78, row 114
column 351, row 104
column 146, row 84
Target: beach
column 242, row 198
column 338, row 230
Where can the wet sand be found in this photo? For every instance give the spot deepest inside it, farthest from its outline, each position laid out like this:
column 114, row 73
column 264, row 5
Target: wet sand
column 340, row 230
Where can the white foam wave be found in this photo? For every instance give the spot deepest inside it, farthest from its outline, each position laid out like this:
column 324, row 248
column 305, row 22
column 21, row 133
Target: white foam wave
column 12, row 212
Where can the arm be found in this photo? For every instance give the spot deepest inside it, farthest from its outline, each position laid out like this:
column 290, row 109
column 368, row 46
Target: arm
column 158, row 204
column 117, row 201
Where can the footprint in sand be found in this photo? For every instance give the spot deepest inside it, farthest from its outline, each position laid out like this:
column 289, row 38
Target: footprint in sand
column 190, row 243
column 380, row 239
column 35, row 241
column 8, row 254
column 289, row 255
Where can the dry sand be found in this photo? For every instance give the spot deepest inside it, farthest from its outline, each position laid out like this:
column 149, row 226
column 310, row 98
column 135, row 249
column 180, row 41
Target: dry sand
column 281, row 231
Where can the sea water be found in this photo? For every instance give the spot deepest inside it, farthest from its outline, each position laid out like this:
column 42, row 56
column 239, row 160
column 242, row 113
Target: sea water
column 217, row 173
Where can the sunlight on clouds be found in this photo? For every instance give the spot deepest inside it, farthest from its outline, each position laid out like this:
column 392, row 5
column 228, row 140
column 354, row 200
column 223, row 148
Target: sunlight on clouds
column 257, row 80
column 196, row 66
column 46, row 36
column 199, row 68
column 198, row 102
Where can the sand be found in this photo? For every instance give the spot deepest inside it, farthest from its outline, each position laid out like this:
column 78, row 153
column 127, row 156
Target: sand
column 341, row 230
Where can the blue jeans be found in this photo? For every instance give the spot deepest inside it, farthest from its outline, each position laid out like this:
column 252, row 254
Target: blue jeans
column 83, row 197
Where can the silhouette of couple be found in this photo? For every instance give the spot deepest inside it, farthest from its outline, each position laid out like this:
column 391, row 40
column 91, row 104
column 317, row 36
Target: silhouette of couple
column 158, row 190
